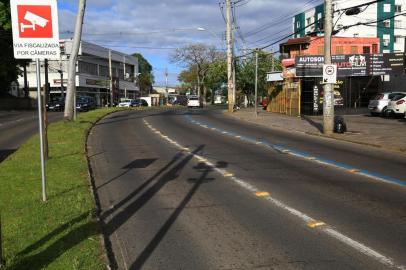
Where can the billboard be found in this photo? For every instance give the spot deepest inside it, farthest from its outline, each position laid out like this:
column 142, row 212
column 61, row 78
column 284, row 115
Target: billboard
column 352, row 65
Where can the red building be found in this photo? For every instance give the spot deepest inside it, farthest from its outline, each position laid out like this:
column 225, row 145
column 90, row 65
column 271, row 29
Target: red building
column 340, row 45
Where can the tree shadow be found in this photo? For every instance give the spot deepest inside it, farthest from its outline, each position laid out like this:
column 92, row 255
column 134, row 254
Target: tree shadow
column 319, row 126
column 4, row 153
column 41, row 259
column 153, row 244
column 138, row 163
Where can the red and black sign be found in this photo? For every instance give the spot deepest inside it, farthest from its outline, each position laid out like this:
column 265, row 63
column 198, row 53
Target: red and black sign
column 34, row 21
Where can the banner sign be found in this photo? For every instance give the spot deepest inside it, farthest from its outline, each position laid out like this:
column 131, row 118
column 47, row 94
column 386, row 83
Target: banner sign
column 352, row 65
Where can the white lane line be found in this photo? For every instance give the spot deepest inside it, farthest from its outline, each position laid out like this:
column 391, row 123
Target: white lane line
column 302, row 216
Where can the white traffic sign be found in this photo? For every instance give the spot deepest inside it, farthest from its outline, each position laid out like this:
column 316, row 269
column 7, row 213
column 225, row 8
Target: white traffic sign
column 329, row 73
column 35, row 29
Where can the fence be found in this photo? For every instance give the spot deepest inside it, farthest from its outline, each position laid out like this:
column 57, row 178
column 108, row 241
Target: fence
column 285, row 98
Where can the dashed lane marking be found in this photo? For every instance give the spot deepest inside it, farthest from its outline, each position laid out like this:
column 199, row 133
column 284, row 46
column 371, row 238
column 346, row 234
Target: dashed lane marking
column 360, row 247
column 261, row 194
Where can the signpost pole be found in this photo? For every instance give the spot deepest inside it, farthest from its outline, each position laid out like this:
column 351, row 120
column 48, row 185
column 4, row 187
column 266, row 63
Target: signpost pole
column 328, row 99
column 41, row 135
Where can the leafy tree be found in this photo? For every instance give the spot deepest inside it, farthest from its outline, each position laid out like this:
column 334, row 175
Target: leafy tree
column 245, row 74
column 9, row 70
column 188, row 78
column 216, row 76
column 146, row 78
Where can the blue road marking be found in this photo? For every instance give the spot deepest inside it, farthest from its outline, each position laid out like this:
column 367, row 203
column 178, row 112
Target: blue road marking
column 302, row 154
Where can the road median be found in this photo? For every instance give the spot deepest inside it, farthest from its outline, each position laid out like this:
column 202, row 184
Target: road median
column 62, row 233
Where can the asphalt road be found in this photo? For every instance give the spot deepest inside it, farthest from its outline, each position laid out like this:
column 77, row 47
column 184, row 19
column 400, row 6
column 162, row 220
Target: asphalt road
column 194, row 189
column 16, row 127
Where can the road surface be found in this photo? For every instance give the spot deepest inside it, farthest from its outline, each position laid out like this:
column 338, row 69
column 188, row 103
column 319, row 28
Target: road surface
column 16, row 127
column 195, row 189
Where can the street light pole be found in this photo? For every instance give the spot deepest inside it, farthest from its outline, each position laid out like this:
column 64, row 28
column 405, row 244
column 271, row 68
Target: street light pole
column 328, row 102
column 256, row 83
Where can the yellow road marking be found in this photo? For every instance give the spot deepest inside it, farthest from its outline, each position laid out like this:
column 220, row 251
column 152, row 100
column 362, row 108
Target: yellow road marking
column 354, row 171
column 262, row 194
column 228, row 174
column 315, row 223
column 311, row 158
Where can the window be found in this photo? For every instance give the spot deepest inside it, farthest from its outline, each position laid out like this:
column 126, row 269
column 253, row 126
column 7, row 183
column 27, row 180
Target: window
column 354, row 49
column 298, row 24
column 320, row 50
column 398, row 24
column 319, row 16
column 398, row 8
column 366, row 49
column 104, row 71
column 339, row 50
column 386, row 42
column 386, row 23
column 386, row 8
column 308, row 21
column 374, row 48
column 87, row 68
column 398, row 39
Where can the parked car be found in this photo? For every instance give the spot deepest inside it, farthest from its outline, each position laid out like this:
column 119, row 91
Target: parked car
column 139, row 103
column 57, row 105
column 379, row 104
column 85, row 103
column 125, row 103
column 397, row 106
column 194, row 101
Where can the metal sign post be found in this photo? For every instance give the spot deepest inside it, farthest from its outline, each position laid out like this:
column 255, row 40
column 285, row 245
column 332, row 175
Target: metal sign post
column 41, row 131
column 36, row 37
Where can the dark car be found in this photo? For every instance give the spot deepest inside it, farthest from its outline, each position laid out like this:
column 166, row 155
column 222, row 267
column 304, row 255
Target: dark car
column 57, row 105
column 85, row 103
column 139, row 103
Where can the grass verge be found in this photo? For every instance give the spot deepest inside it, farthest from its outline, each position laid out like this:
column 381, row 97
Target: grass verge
column 62, row 233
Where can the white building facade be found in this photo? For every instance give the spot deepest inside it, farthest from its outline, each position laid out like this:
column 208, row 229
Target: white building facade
column 383, row 19
column 92, row 73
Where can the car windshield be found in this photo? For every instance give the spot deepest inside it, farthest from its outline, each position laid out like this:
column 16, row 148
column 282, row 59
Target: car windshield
column 193, row 99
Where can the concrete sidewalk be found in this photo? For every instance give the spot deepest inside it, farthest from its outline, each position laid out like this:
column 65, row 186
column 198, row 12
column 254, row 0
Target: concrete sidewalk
column 386, row 133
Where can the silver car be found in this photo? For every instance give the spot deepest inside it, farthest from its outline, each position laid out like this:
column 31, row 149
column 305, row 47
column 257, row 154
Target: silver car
column 379, row 104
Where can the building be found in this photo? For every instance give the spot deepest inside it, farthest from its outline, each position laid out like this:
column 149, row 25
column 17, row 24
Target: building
column 383, row 20
column 92, row 73
column 339, row 45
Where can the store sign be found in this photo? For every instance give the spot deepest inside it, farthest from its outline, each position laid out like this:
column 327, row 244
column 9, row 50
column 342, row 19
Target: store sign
column 35, row 29
column 351, row 65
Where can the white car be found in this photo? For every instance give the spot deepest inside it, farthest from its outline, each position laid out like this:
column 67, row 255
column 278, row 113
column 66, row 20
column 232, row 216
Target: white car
column 125, row 103
column 194, row 102
column 397, row 105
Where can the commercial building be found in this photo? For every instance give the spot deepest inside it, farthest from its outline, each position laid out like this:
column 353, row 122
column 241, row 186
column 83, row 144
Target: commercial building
column 92, row 73
column 383, row 20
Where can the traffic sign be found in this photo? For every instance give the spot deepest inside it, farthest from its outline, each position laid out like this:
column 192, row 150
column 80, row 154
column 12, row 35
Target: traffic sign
column 35, row 29
column 329, row 73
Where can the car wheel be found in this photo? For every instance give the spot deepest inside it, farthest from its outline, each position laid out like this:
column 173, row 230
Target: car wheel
column 384, row 112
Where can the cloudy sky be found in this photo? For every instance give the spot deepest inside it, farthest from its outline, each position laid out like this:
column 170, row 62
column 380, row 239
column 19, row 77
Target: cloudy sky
column 155, row 27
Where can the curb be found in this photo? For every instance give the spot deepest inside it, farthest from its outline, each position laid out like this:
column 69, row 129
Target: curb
column 390, row 149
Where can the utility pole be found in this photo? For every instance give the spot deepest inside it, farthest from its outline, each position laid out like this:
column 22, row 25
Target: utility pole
column 69, row 113
column 328, row 102
column 229, row 57
column 233, row 60
column 111, row 80
column 256, row 83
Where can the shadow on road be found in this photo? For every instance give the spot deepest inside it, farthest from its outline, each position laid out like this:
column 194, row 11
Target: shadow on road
column 319, row 126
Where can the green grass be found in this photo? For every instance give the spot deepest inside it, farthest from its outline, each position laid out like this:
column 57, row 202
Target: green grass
column 62, row 233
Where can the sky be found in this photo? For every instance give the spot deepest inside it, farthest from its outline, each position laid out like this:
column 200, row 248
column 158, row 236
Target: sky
column 155, row 28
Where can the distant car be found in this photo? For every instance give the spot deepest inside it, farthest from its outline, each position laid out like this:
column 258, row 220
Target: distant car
column 194, row 102
column 85, row 103
column 139, row 103
column 125, row 103
column 379, row 104
column 397, row 105
column 56, row 105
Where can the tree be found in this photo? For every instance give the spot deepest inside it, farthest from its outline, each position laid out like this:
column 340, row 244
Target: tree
column 188, row 78
column 198, row 55
column 216, row 76
column 9, row 69
column 146, row 77
column 245, row 73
